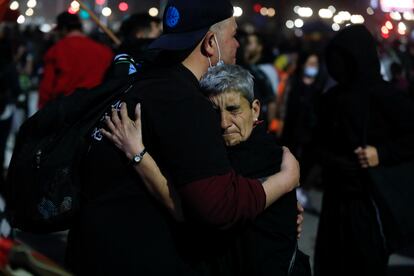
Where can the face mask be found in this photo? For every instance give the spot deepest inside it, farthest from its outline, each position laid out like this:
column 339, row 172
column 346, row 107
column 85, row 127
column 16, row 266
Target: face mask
column 220, row 61
column 311, row 71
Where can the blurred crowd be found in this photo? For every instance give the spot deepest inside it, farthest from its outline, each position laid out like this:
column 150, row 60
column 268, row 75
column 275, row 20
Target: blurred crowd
column 290, row 76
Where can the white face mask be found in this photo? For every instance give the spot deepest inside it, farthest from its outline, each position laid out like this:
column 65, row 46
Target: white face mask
column 220, row 61
column 311, row 71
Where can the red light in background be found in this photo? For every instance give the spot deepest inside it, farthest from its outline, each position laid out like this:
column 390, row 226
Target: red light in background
column 385, row 33
column 386, row 36
column 100, row 2
column 257, row 7
column 71, row 11
column 123, row 6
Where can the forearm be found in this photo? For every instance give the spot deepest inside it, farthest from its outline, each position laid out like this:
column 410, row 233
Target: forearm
column 158, row 186
column 279, row 184
column 223, row 200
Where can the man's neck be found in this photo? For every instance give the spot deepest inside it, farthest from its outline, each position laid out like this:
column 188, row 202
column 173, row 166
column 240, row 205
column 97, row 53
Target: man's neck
column 197, row 64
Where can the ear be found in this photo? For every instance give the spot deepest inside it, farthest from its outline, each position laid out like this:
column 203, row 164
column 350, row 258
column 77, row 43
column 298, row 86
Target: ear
column 208, row 44
column 256, row 109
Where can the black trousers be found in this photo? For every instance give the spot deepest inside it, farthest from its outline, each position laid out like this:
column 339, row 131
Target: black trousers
column 349, row 239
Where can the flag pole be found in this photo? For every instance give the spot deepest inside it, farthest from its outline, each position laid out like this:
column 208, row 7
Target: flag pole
column 100, row 24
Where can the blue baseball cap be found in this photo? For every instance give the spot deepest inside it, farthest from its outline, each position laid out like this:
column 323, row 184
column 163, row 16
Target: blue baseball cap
column 185, row 22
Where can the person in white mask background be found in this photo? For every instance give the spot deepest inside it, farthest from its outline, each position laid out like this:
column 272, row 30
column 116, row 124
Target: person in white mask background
column 300, row 100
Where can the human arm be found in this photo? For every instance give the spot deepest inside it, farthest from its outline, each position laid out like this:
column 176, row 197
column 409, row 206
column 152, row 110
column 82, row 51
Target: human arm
column 127, row 136
column 284, row 181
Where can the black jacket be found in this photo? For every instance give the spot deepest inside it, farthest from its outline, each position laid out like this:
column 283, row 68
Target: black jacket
column 361, row 109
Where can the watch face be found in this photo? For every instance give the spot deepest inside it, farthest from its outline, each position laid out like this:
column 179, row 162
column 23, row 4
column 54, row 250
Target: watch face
column 137, row 158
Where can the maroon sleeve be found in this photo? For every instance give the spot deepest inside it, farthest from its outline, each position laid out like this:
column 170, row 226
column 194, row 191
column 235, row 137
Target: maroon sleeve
column 223, row 200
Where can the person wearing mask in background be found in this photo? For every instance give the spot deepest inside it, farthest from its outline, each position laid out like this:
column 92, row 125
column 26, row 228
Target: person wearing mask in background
column 75, row 61
column 363, row 123
column 300, row 102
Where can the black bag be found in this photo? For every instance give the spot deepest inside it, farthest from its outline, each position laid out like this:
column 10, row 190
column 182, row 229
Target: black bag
column 42, row 189
column 393, row 190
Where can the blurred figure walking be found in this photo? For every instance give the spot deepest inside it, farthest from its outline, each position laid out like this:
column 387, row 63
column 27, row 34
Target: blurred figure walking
column 363, row 123
column 75, row 61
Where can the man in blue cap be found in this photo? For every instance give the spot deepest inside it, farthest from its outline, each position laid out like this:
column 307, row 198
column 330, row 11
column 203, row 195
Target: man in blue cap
column 122, row 229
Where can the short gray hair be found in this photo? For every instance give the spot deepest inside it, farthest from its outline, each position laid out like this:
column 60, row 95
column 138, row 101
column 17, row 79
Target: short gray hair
column 226, row 78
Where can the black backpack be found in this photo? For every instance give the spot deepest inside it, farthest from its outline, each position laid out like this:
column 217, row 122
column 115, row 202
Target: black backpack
column 42, row 188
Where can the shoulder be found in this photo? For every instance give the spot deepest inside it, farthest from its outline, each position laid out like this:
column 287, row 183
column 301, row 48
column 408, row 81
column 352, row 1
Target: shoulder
column 167, row 84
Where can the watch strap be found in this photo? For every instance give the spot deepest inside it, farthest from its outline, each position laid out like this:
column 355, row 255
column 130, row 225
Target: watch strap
column 136, row 159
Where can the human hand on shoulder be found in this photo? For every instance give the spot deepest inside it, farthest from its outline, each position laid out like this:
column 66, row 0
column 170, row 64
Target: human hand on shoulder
column 125, row 133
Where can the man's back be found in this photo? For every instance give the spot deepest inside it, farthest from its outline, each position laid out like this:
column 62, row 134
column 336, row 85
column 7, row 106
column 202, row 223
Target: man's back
column 116, row 201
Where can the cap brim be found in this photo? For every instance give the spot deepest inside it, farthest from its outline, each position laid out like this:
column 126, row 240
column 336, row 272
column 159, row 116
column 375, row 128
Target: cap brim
column 179, row 41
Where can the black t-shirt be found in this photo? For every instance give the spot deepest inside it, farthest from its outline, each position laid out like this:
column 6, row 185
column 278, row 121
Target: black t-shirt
column 180, row 130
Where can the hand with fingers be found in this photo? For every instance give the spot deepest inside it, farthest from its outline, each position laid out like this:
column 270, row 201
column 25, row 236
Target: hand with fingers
column 125, row 133
column 367, row 156
column 300, row 219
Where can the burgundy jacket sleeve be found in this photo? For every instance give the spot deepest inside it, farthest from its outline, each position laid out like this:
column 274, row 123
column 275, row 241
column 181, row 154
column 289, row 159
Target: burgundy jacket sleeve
column 223, row 200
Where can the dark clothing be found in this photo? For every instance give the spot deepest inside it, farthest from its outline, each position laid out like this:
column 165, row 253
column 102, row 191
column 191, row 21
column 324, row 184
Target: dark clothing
column 5, row 127
column 300, row 122
column 349, row 240
column 268, row 244
column 361, row 110
column 182, row 132
column 137, row 48
column 262, row 247
column 262, row 90
column 9, row 91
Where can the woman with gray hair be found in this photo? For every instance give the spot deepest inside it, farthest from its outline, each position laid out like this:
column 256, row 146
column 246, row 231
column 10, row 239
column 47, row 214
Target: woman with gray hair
column 268, row 245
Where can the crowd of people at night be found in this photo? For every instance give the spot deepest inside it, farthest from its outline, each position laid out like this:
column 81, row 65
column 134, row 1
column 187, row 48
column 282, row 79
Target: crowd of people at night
column 237, row 128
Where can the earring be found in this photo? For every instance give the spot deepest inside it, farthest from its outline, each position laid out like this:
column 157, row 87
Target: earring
column 257, row 122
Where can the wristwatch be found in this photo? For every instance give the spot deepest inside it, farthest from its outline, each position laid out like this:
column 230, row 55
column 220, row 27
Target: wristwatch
column 138, row 157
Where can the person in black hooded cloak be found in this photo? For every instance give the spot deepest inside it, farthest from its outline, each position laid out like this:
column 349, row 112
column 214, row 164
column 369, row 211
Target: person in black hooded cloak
column 363, row 122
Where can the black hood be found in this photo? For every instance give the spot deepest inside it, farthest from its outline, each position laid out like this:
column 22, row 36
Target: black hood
column 352, row 57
